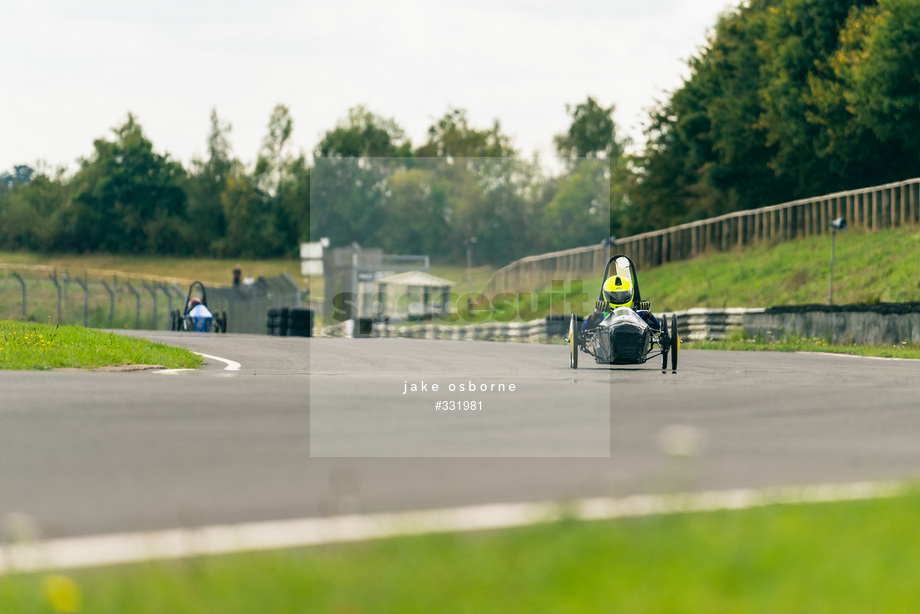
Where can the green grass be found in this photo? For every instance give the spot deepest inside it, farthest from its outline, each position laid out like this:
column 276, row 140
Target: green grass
column 479, row 276
column 25, row 346
column 842, row 557
column 182, row 270
column 742, row 342
column 869, row 268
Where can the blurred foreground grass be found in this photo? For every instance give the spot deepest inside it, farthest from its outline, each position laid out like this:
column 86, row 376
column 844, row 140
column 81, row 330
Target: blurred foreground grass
column 25, row 345
column 836, row 557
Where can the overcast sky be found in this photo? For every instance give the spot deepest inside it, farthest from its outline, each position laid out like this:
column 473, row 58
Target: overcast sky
column 73, row 70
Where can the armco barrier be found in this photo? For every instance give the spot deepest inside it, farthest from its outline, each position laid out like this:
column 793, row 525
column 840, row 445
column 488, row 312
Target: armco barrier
column 886, row 323
column 881, row 324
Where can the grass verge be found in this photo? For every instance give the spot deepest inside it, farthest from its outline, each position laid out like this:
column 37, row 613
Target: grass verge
column 211, row 271
column 740, row 342
column 26, row 346
column 842, row 557
column 870, row 268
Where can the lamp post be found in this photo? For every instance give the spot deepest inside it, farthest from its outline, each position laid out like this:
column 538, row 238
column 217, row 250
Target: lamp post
column 469, row 264
column 838, row 224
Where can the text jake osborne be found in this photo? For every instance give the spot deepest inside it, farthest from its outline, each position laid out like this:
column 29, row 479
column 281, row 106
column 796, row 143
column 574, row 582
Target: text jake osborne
column 467, row 386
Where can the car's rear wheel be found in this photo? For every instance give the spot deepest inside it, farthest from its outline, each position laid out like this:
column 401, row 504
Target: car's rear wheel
column 573, row 342
column 675, row 342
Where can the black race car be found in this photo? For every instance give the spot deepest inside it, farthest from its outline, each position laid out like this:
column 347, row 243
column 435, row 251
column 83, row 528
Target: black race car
column 624, row 335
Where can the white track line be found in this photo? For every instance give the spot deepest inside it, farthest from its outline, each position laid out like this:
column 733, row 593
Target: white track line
column 232, row 365
column 224, row 539
column 853, row 355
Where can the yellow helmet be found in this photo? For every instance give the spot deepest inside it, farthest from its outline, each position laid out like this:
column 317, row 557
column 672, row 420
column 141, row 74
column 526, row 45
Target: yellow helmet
column 618, row 291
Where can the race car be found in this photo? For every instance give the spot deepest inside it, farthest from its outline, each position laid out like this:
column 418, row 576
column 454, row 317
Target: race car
column 622, row 330
column 196, row 317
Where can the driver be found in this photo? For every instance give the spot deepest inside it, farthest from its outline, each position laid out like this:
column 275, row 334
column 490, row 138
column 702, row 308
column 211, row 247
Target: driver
column 618, row 292
column 201, row 316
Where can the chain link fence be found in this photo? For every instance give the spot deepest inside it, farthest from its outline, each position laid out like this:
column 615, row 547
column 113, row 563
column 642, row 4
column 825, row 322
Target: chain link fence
column 101, row 299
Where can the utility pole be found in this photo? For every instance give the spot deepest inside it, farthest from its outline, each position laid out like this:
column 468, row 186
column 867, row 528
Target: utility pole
column 838, row 224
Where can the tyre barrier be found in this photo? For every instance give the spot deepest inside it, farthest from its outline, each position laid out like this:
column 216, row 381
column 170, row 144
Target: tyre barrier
column 533, row 331
column 705, row 322
column 359, row 327
column 287, row 322
column 557, row 325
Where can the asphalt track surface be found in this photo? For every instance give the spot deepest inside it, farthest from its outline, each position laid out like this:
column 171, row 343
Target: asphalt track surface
column 90, row 453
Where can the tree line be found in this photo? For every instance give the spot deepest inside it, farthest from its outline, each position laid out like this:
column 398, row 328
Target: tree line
column 789, row 98
column 369, row 185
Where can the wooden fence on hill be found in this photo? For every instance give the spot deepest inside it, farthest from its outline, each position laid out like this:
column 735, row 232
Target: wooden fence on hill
column 874, row 208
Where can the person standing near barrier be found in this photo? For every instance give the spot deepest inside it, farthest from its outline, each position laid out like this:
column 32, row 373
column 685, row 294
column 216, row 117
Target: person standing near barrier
column 237, row 275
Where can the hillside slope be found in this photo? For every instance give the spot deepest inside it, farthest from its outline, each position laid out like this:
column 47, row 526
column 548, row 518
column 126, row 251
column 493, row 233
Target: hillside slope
column 869, row 268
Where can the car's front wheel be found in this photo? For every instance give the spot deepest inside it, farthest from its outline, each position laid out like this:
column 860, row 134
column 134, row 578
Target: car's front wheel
column 573, row 342
column 664, row 340
column 675, row 342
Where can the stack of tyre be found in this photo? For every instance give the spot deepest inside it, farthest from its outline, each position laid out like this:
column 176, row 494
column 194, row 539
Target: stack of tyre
column 287, row 322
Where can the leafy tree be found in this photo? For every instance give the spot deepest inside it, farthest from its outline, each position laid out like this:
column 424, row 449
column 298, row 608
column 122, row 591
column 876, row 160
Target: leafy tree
column 452, row 137
column 416, row 204
column 30, row 209
column 21, row 175
column 488, row 198
column 206, row 183
column 790, row 98
column 886, row 87
column 347, row 199
column 707, row 150
column 273, row 160
column 871, row 106
column 364, row 134
column 592, row 133
column 800, row 38
column 248, row 227
column 347, row 186
column 292, row 206
column 579, row 213
column 284, row 185
column 127, row 198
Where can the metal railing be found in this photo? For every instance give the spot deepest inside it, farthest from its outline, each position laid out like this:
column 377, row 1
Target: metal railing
column 873, row 208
